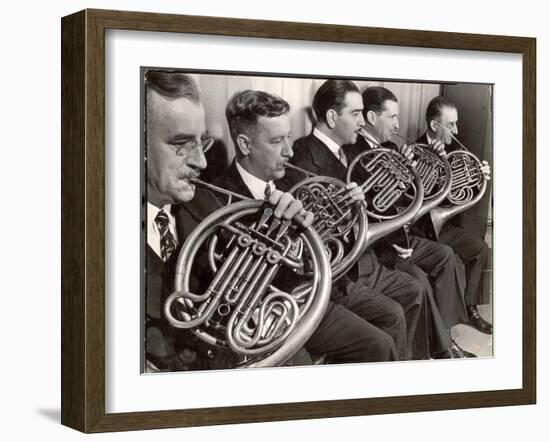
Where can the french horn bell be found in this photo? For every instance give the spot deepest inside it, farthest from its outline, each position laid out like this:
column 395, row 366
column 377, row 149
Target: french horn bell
column 241, row 253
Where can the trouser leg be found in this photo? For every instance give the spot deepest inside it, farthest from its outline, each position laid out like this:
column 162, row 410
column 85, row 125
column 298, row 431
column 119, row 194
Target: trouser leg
column 473, row 251
column 436, row 332
column 301, row 357
column 377, row 309
column 396, row 285
column 438, row 261
column 346, row 337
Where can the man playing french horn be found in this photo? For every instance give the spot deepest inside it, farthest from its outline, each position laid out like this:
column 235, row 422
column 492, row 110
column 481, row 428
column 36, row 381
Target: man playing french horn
column 442, row 128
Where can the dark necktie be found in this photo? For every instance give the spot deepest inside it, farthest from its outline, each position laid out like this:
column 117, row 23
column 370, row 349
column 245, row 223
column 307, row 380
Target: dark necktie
column 342, row 157
column 267, row 191
column 167, row 241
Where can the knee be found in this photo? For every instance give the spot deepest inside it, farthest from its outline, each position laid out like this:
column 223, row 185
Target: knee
column 418, row 290
column 383, row 348
column 446, row 254
column 398, row 318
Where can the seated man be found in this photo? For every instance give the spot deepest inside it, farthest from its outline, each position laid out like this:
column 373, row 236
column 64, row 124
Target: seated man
column 175, row 143
column 441, row 121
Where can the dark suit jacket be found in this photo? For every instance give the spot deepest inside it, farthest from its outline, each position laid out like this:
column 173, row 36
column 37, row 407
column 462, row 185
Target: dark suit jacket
column 163, row 342
column 231, row 180
column 312, row 154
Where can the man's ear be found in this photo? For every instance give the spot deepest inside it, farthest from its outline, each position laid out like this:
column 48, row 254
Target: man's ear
column 243, row 144
column 371, row 117
column 331, row 117
column 433, row 125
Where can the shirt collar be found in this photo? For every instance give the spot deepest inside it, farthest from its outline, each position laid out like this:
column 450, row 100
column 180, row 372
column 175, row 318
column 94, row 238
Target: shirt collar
column 152, row 212
column 254, row 184
column 430, row 139
column 330, row 143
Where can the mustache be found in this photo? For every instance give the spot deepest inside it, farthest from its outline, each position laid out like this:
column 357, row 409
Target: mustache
column 189, row 176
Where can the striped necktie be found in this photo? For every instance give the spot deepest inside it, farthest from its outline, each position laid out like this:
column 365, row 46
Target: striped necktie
column 167, row 241
column 267, row 191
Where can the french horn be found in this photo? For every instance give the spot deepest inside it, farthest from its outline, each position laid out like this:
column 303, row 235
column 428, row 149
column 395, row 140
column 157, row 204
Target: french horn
column 435, row 173
column 336, row 217
column 386, row 177
column 246, row 252
column 468, row 185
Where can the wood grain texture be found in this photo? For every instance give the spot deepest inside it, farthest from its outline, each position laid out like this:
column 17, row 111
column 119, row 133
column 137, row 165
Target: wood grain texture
column 73, row 210
column 95, row 221
column 83, row 218
column 529, row 220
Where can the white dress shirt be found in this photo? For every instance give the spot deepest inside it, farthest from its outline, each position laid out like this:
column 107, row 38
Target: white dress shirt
column 254, row 184
column 329, row 142
column 153, row 234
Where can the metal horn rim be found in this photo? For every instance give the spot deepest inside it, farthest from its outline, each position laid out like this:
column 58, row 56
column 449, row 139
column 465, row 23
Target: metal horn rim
column 308, row 321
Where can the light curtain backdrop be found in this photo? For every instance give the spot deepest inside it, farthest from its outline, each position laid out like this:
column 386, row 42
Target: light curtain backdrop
column 298, row 92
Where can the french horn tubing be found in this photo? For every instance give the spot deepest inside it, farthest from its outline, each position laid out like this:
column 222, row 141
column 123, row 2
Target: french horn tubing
column 386, row 176
column 243, row 248
column 335, row 215
column 468, row 185
column 435, row 172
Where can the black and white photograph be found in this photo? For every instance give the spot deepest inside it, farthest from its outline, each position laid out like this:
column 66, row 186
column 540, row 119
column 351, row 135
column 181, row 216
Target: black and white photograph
column 294, row 220
column 275, row 221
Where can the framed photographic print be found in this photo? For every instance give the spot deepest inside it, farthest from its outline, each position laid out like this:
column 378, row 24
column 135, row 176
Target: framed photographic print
column 266, row 221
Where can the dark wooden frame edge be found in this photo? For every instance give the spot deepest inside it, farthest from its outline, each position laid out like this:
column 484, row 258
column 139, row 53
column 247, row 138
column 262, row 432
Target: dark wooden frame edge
column 83, row 235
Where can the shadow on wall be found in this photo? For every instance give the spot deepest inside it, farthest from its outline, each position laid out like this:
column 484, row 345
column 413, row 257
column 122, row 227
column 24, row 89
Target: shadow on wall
column 51, row 414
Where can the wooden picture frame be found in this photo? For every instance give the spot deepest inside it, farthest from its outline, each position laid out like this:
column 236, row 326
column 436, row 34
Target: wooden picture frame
column 83, row 220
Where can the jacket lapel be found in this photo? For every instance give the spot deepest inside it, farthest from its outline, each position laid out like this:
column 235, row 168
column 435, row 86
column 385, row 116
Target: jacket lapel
column 423, row 139
column 189, row 215
column 325, row 160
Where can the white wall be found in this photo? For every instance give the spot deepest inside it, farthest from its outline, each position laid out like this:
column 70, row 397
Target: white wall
column 30, row 183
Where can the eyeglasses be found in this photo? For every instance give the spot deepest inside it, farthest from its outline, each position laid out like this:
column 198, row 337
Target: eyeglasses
column 448, row 126
column 186, row 147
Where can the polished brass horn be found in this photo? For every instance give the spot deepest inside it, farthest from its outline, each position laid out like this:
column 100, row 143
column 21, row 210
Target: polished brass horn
column 336, row 214
column 435, row 172
column 237, row 257
column 386, row 175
